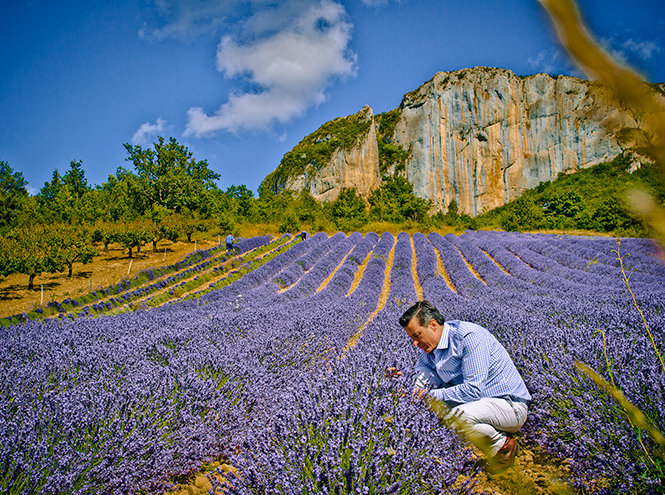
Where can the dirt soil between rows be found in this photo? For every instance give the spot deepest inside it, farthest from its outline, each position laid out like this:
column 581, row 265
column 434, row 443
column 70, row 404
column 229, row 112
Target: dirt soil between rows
column 107, row 269
column 533, row 473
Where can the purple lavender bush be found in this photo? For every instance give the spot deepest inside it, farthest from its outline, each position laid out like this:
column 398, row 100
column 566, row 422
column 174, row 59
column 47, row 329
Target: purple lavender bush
column 289, row 386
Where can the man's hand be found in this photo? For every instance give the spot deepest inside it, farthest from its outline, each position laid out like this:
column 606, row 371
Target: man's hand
column 419, row 393
column 393, row 373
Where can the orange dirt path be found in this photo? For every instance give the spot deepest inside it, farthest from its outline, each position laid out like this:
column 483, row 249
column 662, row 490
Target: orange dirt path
column 443, row 272
column 416, row 280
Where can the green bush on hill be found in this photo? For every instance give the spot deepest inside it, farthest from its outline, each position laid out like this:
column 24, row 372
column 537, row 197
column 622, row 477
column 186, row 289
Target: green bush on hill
column 592, row 199
column 589, row 199
column 390, row 154
column 316, row 149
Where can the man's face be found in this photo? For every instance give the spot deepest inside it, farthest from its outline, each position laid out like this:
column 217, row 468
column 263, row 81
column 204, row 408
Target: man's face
column 425, row 337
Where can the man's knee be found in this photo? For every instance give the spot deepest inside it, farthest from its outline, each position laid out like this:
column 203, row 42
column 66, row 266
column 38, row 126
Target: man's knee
column 464, row 414
column 499, row 413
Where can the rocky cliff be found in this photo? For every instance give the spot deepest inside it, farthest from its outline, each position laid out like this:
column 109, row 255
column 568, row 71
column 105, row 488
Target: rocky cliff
column 478, row 136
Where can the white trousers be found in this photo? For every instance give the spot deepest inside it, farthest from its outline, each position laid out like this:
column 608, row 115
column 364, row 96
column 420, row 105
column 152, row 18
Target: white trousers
column 485, row 421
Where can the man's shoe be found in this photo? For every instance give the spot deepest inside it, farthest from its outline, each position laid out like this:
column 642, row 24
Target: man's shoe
column 505, row 458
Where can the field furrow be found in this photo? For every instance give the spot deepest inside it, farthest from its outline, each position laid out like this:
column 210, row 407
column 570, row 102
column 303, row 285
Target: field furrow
column 278, row 368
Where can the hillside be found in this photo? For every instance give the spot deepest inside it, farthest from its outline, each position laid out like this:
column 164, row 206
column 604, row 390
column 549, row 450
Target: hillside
column 479, row 136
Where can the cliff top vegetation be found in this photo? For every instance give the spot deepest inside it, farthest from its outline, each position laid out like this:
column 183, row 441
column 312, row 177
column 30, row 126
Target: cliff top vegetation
column 317, row 148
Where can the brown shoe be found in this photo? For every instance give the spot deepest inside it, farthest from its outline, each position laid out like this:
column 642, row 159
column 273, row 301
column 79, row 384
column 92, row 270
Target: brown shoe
column 504, row 458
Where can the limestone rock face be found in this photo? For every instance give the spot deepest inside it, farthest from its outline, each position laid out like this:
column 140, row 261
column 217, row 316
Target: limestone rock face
column 356, row 168
column 482, row 136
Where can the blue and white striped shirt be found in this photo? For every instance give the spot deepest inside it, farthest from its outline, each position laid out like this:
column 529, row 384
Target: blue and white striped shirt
column 468, row 364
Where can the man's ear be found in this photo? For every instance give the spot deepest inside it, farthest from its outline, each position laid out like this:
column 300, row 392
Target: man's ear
column 432, row 324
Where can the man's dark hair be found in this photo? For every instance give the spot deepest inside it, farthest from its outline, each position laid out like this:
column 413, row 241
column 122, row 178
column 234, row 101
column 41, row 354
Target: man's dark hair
column 425, row 311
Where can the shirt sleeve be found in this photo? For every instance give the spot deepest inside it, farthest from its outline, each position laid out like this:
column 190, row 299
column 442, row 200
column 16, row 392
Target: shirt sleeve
column 426, row 376
column 474, row 367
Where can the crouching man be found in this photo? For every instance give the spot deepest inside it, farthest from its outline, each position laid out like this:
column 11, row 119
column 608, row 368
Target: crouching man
column 463, row 365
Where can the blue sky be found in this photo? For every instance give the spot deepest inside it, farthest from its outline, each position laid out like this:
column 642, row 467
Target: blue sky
column 241, row 82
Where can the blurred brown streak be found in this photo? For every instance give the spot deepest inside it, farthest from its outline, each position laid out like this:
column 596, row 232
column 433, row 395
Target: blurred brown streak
column 627, row 89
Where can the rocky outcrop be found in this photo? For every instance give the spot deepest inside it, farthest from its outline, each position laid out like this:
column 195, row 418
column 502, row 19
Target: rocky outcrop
column 481, row 137
column 357, row 167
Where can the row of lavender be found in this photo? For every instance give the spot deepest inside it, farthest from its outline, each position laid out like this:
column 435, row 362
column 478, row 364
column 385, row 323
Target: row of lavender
column 548, row 313
column 116, row 404
column 121, row 403
column 344, row 427
column 192, row 264
column 564, row 300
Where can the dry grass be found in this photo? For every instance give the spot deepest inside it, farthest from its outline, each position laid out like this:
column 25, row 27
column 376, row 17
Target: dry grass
column 329, row 278
column 443, row 272
column 414, row 273
column 470, row 266
column 105, row 270
column 383, row 299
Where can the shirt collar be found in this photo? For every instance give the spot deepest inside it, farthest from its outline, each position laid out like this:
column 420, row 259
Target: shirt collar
column 445, row 334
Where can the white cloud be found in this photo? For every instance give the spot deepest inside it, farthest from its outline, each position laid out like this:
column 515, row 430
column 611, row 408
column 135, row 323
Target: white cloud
column 376, row 3
column 148, row 131
column 643, row 49
column 185, row 19
column 291, row 67
column 623, row 51
column 544, row 62
column 553, row 62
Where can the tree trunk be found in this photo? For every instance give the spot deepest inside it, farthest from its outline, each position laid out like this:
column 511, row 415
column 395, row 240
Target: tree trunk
column 154, row 246
column 71, row 269
column 31, row 280
column 130, row 252
column 189, row 237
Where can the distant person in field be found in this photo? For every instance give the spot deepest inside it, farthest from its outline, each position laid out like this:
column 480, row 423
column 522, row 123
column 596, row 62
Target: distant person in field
column 229, row 242
column 463, row 365
column 303, row 235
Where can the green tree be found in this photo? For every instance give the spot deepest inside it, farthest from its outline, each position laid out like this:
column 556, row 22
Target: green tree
column 72, row 244
column 290, row 223
column 244, row 197
column 308, row 209
column 13, row 195
column 566, row 203
column 395, row 201
column 50, row 191
column 612, row 215
column 104, row 232
column 349, row 210
column 169, row 175
column 186, row 223
column 35, row 252
column 56, row 199
column 93, row 206
column 451, row 217
column 160, row 226
column 225, row 211
column 75, row 179
column 227, row 226
column 453, row 209
column 122, row 201
column 522, row 214
column 272, row 207
column 132, row 234
column 8, row 259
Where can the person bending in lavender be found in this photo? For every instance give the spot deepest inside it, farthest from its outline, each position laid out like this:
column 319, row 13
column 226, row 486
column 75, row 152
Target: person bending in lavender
column 229, row 242
column 463, row 365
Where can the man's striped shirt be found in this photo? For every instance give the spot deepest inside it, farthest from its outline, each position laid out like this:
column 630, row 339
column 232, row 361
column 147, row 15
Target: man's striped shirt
column 469, row 364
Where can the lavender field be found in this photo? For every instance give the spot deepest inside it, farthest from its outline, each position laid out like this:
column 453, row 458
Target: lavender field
column 281, row 371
